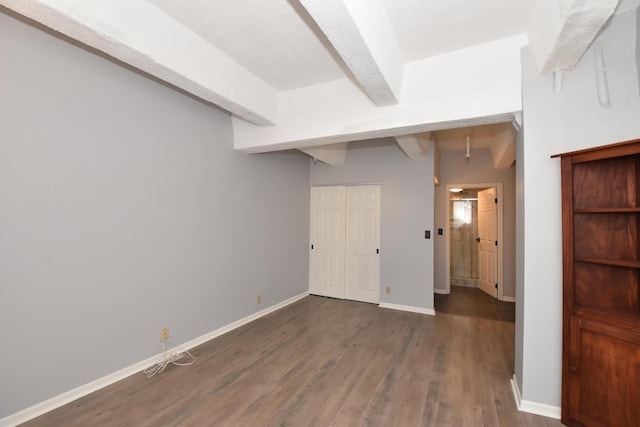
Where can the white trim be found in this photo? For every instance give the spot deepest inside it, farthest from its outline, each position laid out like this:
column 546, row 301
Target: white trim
column 78, row 392
column 250, row 318
column 516, row 391
column 441, row 291
column 409, row 308
column 508, row 299
column 540, row 409
column 533, row 407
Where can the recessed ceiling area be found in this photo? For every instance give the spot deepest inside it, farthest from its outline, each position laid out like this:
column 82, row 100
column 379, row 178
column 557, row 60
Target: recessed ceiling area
column 498, row 138
column 316, row 74
column 480, row 136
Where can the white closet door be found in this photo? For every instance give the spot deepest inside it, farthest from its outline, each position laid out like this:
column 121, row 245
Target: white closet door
column 363, row 243
column 327, row 229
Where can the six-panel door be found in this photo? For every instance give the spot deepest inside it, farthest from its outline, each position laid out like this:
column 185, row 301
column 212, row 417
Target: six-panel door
column 344, row 258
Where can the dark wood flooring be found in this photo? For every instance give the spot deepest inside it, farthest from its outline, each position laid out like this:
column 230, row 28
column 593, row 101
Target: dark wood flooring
column 325, row 362
column 473, row 302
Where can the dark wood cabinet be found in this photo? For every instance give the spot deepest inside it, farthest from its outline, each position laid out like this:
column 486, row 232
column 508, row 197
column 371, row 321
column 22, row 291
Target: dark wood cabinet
column 601, row 308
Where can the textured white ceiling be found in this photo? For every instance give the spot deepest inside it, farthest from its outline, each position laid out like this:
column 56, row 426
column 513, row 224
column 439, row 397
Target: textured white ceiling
column 627, row 5
column 279, row 42
column 274, row 39
column 481, row 136
column 427, row 28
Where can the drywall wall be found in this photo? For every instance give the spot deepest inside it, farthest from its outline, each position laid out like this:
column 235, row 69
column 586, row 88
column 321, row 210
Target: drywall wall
column 123, row 209
column 559, row 122
column 454, row 169
column 638, row 44
column 406, row 257
column 519, row 253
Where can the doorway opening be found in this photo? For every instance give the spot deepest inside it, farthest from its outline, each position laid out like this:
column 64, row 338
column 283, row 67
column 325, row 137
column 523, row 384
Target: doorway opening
column 474, row 253
column 488, row 261
column 463, row 232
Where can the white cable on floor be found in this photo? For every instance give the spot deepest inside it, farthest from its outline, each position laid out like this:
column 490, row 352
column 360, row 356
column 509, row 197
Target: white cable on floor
column 169, row 358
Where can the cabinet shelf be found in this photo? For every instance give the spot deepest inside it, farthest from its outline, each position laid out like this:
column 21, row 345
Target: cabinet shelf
column 630, row 320
column 633, row 263
column 607, row 210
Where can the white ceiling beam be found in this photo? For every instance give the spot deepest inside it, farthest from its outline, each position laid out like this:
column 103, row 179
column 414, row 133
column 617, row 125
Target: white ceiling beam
column 332, row 154
column 414, row 146
column 560, row 31
column 174, row 54
column 361, row 33
column 470, row 87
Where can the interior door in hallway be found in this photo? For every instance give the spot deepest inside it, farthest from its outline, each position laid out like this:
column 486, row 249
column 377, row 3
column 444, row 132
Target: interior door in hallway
column 488, row 241
column 363, row 243
column 327, row 229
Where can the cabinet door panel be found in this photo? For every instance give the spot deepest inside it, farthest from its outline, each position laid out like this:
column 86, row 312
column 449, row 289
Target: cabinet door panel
column 604, row 375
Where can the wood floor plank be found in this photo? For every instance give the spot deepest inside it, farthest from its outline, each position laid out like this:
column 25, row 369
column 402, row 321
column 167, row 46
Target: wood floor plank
column 322, row 362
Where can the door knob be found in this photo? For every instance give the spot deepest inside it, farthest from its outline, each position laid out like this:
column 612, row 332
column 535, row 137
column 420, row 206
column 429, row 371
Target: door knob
column 478, row 239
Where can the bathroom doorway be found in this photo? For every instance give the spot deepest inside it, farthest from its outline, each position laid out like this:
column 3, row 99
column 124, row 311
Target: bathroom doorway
column 463, row 229
column 466, row 267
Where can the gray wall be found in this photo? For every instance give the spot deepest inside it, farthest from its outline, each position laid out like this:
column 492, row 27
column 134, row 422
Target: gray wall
column 519, row 252
column 406, row 257
column 454, row 169
column 557, row 123
column 637, row 43
column 123, row 209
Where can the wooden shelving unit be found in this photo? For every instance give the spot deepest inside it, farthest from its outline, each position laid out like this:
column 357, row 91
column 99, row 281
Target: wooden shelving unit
column 601, row 304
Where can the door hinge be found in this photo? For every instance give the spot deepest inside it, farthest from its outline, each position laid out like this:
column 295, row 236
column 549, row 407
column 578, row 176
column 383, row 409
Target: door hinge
column 496, row 200
column 311, row 246
column 496, row 286
column 496, row 243
column 377, row 251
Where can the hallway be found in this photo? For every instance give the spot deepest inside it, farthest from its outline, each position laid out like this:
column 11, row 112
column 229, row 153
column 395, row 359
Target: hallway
column 473, row 302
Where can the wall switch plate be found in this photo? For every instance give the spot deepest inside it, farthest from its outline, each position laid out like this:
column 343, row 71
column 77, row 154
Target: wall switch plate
column 427, row 234
column 259, row 299
column 164, row 333
column 388, row 290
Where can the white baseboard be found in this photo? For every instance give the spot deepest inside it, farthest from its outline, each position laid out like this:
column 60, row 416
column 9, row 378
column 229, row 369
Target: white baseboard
column 441, row 291
column 231, row 326
column 509, row 299
column 412, row 309
column 533, row 407
column 71, row 395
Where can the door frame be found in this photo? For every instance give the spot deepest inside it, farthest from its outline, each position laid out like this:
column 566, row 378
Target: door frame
column 499, row 194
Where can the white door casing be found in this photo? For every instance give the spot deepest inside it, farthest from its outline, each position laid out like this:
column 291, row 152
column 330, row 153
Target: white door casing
column 488, row 238
column 327, row 236
column 363, row 243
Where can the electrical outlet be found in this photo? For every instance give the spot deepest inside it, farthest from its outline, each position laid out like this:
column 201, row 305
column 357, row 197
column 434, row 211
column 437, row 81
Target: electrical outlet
column 259, row 299
column 164, row 333
column 388, row 290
